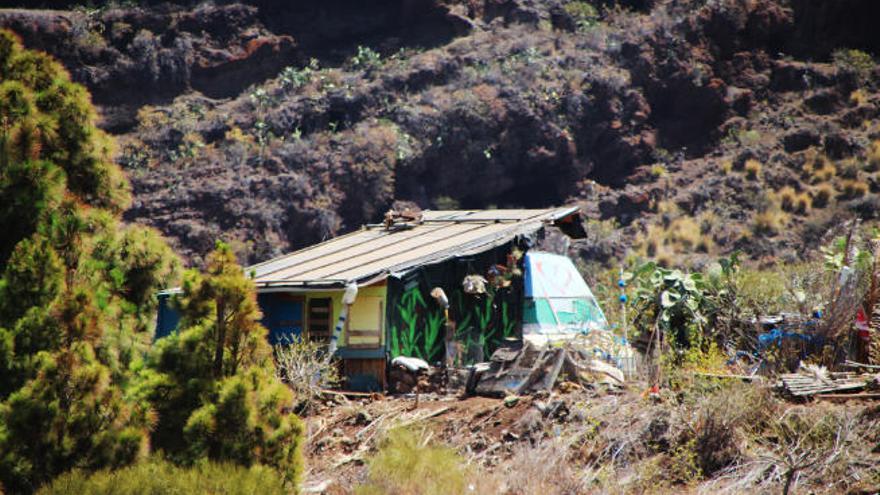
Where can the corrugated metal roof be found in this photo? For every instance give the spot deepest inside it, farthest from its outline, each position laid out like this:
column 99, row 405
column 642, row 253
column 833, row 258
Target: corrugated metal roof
column 374, row 252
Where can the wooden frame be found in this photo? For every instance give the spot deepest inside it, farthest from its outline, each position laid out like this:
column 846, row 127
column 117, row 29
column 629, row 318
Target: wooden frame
column 309, row 310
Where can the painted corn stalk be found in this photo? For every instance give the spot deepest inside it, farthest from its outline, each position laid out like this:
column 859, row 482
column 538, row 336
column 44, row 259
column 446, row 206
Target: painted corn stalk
column 404, row 338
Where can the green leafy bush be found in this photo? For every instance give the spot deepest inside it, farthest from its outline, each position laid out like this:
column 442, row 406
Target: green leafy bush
column 366, row 58
column 856, row 62
column 163, row 478
column 671, row 302
column 585, row 15
column 293, row 78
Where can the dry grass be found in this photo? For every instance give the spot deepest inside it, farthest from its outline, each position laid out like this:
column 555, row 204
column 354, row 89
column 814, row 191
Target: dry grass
column 787, row 197
column 873, row 157
column 675, row 233
column 822, row 195
column 802, row 203
column 859, row 97
column 823, row 172
column 752, row 169
column 770, row 221
column 792, row 201
column 853, row 188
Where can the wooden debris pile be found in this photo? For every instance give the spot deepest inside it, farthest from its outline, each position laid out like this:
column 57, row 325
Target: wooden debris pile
column 530, row 369
column 815, row 382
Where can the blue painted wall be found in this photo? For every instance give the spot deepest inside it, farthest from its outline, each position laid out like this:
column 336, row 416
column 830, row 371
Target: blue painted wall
column 167, row 318
column 282, row 316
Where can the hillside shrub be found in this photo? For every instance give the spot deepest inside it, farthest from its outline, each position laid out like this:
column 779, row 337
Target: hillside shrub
column 822, row 196
column 855, row 62
column 873, row 156
column 366, row 58
column 802, row 203
column 585, row 16
column 158, row 477
column 752, row 169
column 853, row 188
column 769, row 222
column 787, row 197
column 821, row 169
column 304, row 367
column 407, row 465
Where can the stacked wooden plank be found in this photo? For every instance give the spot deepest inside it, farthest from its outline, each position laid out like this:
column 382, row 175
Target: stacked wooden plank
column 808, row 385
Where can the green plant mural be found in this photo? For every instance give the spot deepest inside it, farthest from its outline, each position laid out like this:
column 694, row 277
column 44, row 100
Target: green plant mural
column 420, row 333
column 508, row 321
column 433, row 344
column 484, row 313
column 417, row 323
column 485, row 321
column 404, row 340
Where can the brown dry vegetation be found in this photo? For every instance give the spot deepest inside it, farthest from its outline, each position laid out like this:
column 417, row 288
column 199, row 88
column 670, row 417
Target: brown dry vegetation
column 708, row 437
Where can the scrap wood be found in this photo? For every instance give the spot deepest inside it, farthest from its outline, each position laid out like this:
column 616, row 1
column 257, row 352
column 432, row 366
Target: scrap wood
column 868, row 395
column 346, row 394
column 374, row 425
column 539, row 375
column 748, row 378
column 805, row 385
column 374, row 428
column 347, row 459
column 488, row 414
column 422, row 417
column 320, row 429
column 317, row 487
column 488, row 450
column 853, row 364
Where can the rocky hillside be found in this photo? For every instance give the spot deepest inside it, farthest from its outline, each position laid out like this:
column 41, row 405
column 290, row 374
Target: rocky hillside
column 682, row 126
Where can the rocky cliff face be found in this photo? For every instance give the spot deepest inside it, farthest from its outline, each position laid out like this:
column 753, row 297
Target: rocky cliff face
column 278, row 126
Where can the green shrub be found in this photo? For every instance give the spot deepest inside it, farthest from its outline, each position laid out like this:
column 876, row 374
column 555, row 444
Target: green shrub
column 822, row 196
column 293, row 78
column 761, row 291
column 163, row 478
column 366, row 58
column 406, row 465
column 856, row 62
column 584, row 15
column 213, row 384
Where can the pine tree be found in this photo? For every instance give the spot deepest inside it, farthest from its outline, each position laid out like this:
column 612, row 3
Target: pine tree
column 213, row 384
column 49, row 144
column 69, row 412
column 76, row 287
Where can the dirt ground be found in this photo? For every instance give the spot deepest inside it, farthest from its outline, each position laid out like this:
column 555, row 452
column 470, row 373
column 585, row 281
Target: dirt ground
column 604, row 440
column 345, row 429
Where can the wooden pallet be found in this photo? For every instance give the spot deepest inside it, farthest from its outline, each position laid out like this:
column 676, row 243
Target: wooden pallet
column 803, row 385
